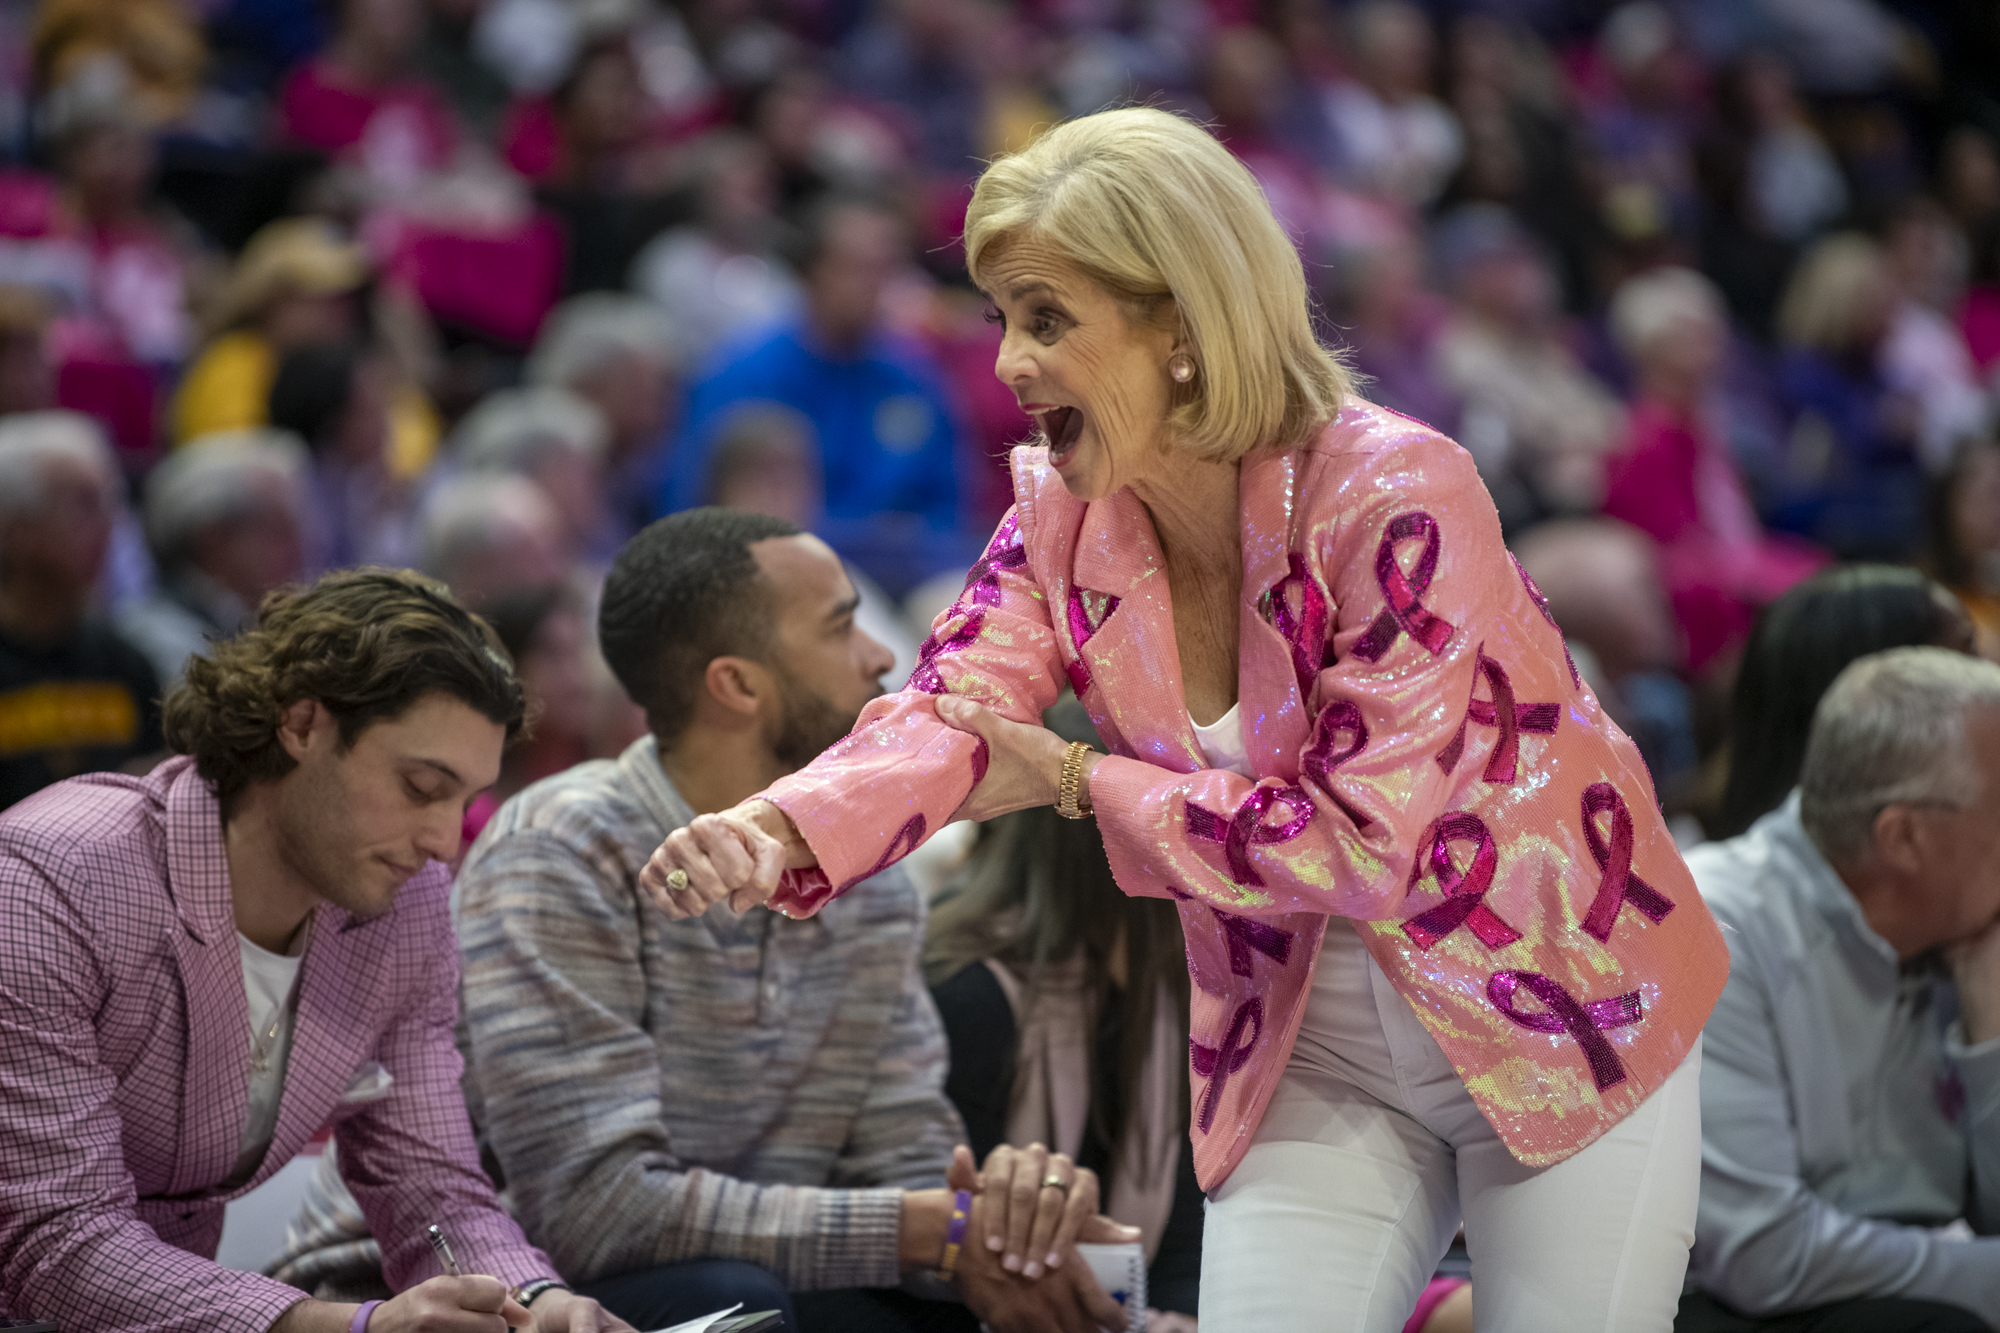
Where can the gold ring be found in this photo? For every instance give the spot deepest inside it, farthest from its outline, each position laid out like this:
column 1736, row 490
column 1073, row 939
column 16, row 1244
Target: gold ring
column 677, row 880
column 1055, row 1182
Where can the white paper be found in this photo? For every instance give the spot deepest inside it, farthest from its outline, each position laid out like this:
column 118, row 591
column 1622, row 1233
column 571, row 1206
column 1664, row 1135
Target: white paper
column 703, row 1324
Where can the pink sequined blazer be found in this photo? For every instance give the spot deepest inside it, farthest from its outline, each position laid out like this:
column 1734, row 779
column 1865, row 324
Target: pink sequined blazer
column 1430, row 765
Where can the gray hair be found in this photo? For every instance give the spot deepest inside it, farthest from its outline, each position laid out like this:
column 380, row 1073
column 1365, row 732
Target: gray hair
column 29, row 441
column 588, row 332
column 1650, row 305
column 219, row 478
column 469, row 515
column 1890, row 730
column 511, row 430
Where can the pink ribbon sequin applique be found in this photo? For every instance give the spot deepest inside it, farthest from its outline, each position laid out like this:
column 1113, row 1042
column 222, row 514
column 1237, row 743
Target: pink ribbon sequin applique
column 908, row 838
column 1248, row 829
column 1512, row 718
column 1406, row 612
column 1619, row 885
column 1217, row 1063
column 1241, row 936
column 813, row 886
column 1245, row 935
column 1336, row 720
column 1464, row 891
column 1303, row 629
column 982, row 590
column 1082, row 625
column 1542, row 605
column 1561, row 1012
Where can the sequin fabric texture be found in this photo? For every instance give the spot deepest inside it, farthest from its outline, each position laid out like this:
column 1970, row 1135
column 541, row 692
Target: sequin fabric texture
column 1430, row 766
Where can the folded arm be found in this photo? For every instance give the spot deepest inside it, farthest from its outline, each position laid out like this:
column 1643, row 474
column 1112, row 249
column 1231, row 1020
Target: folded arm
column 1765, row 1243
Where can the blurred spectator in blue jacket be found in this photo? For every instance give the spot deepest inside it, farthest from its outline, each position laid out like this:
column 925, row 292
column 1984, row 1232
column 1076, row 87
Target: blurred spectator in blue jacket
column 1856, row 486
column 886, row 431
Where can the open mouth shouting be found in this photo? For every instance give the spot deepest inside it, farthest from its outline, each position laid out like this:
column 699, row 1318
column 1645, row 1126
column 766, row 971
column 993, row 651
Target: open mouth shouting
column 1061, row 427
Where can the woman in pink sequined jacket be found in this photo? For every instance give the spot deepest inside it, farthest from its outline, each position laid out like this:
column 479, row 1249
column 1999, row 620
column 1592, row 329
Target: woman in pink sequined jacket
column 1446, row 961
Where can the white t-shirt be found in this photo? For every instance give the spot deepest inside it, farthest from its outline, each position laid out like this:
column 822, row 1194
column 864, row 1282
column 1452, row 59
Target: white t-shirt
column 270, row 983
column 1222, row 742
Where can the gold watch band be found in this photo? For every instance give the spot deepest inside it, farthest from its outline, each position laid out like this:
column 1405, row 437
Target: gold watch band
column 1071, row 787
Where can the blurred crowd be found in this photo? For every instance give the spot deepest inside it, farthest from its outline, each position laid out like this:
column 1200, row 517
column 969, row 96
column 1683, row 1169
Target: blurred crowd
column 1710, row 289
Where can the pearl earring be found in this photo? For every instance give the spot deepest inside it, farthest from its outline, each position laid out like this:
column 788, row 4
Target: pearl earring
column 1181, row 367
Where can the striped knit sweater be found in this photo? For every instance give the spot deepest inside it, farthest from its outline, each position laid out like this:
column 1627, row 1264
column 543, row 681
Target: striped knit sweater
column 756, row 1088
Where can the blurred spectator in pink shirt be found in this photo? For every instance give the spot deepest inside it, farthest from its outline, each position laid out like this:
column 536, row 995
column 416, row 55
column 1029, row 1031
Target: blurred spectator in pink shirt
column 613, row 177
column 360, row 99
column 106, row 250
column 138, row 293
column 1675, row 480
column 1969, row 187
column 1925, row 355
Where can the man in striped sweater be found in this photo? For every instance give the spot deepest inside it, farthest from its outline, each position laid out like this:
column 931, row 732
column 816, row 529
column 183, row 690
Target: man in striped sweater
column 750, row 1087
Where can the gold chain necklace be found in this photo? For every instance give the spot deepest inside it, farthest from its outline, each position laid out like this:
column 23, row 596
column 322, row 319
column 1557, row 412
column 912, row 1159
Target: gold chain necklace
column 262, row 1046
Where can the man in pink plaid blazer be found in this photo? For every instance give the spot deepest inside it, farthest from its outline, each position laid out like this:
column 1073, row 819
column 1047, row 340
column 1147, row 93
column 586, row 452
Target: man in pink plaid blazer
column 203, row 966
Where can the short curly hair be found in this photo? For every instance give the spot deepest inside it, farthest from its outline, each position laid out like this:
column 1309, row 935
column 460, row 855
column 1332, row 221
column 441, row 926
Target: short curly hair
column 683, row 592
column 365, row 643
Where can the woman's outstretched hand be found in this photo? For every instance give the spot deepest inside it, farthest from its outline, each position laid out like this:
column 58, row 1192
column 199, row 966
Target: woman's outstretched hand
column 735, row 855
column 1023, row 762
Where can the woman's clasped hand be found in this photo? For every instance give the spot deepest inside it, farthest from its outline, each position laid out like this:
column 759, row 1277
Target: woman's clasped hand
column 1023, row 761
column 738, row 855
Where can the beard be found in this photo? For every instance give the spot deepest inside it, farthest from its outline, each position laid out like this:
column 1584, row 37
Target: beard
column 316, row 842
column 808, row 722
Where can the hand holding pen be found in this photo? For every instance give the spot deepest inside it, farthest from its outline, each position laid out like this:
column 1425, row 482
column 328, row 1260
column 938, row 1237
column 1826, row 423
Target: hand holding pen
column 442, row 1248
column 452, row 1303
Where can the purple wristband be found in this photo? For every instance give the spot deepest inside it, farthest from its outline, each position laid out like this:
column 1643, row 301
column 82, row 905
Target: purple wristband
column 954, row 1236
column 360, row 1323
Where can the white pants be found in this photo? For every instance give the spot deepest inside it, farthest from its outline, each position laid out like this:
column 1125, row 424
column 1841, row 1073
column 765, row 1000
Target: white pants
column 1370, row 1152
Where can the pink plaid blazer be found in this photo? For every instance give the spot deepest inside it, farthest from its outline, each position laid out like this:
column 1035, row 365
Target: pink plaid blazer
column 1429, row 764
column 124, row 1062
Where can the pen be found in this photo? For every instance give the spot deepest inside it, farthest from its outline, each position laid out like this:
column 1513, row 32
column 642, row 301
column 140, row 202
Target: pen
column 442, row 1248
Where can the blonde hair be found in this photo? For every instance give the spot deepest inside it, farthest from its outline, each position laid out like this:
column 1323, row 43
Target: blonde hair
column 1153, row 209
column 1653, row 304
column 1823, row 301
